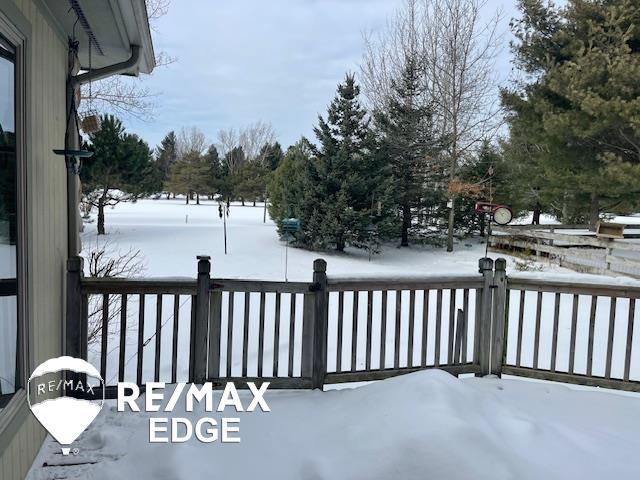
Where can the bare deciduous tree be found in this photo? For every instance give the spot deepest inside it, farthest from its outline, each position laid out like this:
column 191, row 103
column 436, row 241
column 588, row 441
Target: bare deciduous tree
column 250, row 139
column 388, row 52
column 106, row 261
column 191, row 140
column 123, row 95
column 254, row 136
column 461, row 50
column 458, row 50
column 228, row 139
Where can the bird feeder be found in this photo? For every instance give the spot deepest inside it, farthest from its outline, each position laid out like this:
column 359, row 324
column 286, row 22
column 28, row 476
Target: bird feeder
column 291, row 225
column 72, row 158
column 90, row 122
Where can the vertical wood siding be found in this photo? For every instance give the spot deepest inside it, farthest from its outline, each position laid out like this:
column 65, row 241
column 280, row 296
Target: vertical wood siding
column 46, row 218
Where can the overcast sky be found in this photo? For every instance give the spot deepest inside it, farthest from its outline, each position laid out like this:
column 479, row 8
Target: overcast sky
column 239, row 61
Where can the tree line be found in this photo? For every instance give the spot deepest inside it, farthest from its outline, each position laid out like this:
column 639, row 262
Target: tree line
column 124, row 168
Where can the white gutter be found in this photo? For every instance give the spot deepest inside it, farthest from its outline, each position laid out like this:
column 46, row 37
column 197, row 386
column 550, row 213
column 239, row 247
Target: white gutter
column 104, row 72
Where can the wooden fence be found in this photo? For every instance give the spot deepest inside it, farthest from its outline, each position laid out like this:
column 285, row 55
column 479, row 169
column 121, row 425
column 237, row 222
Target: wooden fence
column 333, row 330
column 579, row 250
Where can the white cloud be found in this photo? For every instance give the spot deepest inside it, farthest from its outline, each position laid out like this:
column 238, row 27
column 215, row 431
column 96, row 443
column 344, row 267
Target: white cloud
column 245, row 60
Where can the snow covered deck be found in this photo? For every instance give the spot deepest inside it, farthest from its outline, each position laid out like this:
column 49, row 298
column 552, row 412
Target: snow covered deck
column 422, row 425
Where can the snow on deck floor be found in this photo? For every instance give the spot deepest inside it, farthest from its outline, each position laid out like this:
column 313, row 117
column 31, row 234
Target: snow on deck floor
column 424, row 425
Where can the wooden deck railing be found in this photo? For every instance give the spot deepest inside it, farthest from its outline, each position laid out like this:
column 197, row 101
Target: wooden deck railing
column 333, row 330
column 385, row 327
column 578, row 333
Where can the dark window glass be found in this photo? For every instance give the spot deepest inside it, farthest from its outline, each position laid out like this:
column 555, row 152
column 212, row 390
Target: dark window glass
column 8, row 225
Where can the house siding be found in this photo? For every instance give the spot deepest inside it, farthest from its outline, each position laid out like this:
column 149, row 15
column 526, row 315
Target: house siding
column 46, row 242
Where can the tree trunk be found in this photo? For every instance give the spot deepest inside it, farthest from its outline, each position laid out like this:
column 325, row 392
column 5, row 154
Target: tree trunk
column 594, row 211
column 483, row 224
column 187, row 199
column 340, row 243
column 101, row 216
column 254, row 203
column 264, row 212
column 168, row 196
column 242, row 200
column 452, row 214
column 406, row 225
column 197, row 199
column 536, row 214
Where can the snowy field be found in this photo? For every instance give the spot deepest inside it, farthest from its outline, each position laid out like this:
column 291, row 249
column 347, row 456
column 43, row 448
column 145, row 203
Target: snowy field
column 427, row 424
column 424, row 425
column 170, row 235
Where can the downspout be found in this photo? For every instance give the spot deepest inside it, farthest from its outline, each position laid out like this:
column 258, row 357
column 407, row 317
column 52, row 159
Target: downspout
column 72, row 139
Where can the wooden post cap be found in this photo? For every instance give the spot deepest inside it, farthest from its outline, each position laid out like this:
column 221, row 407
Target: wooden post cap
column 485, row 264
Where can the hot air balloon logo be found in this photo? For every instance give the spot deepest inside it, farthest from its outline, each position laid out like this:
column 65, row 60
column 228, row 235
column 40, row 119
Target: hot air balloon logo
column 65, row 394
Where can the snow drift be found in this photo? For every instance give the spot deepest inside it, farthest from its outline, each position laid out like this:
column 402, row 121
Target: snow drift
column 423, row 425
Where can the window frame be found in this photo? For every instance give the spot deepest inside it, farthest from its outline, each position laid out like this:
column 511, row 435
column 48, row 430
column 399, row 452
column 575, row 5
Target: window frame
column 10, row 287
column 16, row 30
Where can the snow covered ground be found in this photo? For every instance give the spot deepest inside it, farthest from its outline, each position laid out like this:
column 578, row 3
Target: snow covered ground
column 171, row 234
column 424, row 425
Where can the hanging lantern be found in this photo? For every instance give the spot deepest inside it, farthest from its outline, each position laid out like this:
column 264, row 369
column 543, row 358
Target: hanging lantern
column 90, row 121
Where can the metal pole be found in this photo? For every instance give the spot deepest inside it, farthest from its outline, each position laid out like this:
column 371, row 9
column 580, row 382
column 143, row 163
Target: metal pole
column 264, row 214
column 286, row 260
column 224, row 217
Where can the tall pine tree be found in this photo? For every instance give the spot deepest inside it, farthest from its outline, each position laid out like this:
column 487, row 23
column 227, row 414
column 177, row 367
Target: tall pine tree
column 121, row 169
column 408, row 141
column 576, row 120
column 166, row 156
column 340, row 188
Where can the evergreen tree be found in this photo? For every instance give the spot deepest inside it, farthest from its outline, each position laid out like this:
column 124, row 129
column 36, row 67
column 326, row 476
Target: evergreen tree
column 214, row 174
column 166, row 156
column 346, row 176
column 486, row 178
column 271, row 155
column 409, row 143
column 290, row 195
column 333, row 187
column 120, row 170
column 575, row 122
column 191, row 176
column 251, row 181
column 231, row 164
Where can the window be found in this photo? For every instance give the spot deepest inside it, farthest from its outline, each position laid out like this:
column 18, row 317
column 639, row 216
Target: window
column 9, row 238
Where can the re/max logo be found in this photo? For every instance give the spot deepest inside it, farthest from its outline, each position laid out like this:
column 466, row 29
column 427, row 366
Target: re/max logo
column 63, row 386
column 179, row 429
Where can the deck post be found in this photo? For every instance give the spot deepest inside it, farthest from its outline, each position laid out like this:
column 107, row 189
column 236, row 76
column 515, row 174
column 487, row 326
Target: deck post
column 320, row 313
column 75, row 325
column 498, row 323
column 484, row 323
column 314, row 328
column 200, row 323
